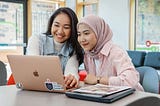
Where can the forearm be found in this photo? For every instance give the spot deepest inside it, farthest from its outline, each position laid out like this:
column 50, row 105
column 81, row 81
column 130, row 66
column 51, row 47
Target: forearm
column 92, row 79
column 72, row 67
column 128, row 78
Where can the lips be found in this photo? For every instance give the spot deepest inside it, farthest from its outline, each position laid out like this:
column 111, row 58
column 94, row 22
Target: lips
column 84, row 44
column 59, row 36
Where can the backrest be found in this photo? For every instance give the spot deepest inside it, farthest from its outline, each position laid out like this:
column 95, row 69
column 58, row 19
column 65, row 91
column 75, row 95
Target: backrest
column 3, row 74
column 137, row 57
column 146, row 101
column 152, row 59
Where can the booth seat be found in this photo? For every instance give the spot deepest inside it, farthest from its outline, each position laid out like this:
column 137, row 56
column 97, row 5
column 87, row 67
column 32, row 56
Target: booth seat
column 3, row 74
column 148, row 65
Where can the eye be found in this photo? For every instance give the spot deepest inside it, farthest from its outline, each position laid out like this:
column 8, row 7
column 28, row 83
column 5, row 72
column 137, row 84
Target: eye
column 86, row 33
column 78, row 34
column 56, row 25
column 67, row 27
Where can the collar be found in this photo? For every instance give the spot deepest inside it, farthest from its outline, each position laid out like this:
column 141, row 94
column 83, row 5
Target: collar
column 106, row 49
column 64, row 51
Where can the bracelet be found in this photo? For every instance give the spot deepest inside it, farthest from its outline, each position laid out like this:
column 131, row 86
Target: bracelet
column 98, row 79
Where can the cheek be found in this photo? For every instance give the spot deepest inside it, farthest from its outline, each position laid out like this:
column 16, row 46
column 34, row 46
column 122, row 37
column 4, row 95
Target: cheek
column 78, row 39
column 93, row 41
column 67, row 33
column 53, row 31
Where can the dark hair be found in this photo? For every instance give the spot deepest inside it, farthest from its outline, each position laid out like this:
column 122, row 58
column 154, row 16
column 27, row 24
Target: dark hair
column 73, row 38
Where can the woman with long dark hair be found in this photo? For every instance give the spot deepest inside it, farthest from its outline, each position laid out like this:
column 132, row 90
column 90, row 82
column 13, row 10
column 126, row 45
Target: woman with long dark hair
column 60, row 39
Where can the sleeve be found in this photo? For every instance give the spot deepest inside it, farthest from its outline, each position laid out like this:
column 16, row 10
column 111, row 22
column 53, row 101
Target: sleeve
column 126, row 74
column 72, row 67
column 33, row 45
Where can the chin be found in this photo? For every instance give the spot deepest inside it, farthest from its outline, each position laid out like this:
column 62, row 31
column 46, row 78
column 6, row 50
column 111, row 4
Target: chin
column 60, row 41
column 85, row 49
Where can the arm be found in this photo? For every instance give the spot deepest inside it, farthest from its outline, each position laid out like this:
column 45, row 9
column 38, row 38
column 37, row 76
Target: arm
column 71, row 72
column 126, row 73
column 33, row 45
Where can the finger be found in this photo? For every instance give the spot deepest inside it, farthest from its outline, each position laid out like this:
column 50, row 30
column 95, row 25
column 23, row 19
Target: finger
column 65, row 79
column 68, row 82
column 74, row 82
column 68, row 77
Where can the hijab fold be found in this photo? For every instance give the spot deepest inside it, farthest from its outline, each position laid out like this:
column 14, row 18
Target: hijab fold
column 103, row 34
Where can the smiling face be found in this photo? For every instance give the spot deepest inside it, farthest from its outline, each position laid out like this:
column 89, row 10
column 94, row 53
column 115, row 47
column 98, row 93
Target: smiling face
column 61, row 28
column 86, row 37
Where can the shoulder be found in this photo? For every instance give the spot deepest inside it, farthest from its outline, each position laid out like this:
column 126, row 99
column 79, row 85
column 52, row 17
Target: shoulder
column 118, row 54
column 116, row 49
column 40, row 38
column 113, row 50
column 37, row 37
column 34, row 39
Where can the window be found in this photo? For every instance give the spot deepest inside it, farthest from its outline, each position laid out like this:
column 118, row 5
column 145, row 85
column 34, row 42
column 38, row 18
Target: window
column 85, row 7
column 147, row 25
column 41, row 12
column 13, row 36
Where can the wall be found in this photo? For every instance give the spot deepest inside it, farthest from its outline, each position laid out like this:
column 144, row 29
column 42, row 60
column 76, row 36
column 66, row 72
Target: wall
column 116, row 14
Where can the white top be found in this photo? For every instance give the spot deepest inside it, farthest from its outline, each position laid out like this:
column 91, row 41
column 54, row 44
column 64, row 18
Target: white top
column 72, row 64
column 97, row 64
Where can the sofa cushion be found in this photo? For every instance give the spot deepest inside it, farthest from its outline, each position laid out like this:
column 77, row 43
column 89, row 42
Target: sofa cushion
column 149, row 79
column 137, row 57
column 152, row 59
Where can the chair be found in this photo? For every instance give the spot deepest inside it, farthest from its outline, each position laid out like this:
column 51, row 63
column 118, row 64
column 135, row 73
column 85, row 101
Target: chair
column 146, row 101
column 147, row 64
column 11, row 80
column 149, row 79
column 3, row 74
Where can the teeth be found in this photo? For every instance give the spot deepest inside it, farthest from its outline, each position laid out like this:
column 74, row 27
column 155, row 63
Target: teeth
column 59, row 36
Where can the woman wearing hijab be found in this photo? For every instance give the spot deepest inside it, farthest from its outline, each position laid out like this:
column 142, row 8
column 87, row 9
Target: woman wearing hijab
column 105, row 62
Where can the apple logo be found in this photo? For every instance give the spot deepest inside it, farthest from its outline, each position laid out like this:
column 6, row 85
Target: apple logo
column 35, row 73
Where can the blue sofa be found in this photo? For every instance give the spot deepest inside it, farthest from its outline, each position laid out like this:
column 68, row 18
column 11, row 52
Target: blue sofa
column 148, row 65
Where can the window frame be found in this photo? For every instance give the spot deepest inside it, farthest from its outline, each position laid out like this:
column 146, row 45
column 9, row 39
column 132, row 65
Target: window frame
column 25, row 38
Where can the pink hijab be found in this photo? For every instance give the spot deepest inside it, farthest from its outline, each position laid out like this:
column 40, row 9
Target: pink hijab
column 103, row 35
column 101, row 29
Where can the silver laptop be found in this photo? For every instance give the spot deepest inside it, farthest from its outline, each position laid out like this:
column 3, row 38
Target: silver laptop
column 41, row 73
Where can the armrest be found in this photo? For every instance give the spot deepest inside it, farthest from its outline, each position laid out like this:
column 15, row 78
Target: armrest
column 149, row 79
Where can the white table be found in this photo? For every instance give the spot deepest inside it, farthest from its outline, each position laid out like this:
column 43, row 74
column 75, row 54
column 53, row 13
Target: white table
column 11, row 96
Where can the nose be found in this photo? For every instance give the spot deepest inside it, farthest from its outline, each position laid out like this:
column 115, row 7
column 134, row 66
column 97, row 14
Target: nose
column 60, row 30
column 82, row 38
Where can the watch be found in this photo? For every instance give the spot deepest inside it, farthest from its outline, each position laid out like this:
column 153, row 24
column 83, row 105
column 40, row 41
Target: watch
column 98, row 79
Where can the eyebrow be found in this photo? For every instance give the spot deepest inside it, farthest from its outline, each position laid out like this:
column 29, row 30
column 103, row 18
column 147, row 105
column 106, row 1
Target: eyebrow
column 64, row 24
column 85, row 31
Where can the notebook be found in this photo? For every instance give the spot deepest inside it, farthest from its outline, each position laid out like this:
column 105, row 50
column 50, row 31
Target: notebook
column 40, row 73
column 100, row 93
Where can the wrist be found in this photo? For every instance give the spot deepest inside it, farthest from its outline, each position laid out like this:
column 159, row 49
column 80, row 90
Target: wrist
column 98, row 80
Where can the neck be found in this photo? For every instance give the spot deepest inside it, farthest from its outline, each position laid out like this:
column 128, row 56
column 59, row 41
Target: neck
column 58, row 45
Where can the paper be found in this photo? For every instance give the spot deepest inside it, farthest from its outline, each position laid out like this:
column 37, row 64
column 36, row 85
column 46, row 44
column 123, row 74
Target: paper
column 101, row 89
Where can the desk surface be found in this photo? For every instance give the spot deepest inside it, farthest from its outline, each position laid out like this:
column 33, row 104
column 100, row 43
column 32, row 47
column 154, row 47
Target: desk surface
column 11, row 96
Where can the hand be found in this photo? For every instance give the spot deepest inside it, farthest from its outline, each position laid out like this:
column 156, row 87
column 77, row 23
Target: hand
column 70, row 81
column 90, row 79
column 104, row 80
